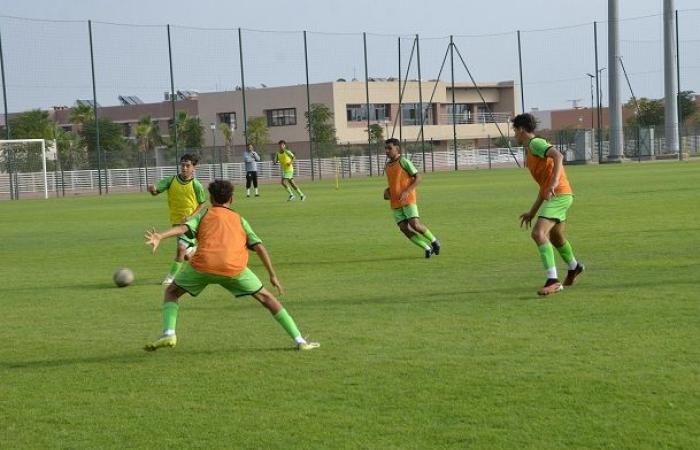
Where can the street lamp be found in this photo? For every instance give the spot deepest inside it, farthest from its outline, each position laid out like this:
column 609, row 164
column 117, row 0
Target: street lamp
column 590, row 78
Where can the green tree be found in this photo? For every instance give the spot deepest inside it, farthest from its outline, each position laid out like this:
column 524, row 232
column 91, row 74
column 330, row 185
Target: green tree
column 71, row 149
column 111, row 142
column 227, row 133
column 376, row 133
column 81, row 114
column 686, row 105
column 319, row 122
column 258, row 133
column 34, row 124
column 190, row 134
column 649, row 114
column 148, row 137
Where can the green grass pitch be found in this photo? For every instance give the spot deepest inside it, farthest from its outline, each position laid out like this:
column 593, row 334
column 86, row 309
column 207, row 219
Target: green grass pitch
column 452, row 352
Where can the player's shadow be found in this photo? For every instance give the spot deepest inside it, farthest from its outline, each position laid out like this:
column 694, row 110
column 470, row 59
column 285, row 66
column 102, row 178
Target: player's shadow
column 132, row 357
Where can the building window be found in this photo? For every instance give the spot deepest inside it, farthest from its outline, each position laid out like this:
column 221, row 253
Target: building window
column 378, row 112
column 484, row 115
column 281, row 117
column 462, row 114
column 126, row 129
column 410, row 114
column 229, row 118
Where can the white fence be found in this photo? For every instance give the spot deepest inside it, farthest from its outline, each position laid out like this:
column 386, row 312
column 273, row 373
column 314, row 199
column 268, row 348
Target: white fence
column 133, row 179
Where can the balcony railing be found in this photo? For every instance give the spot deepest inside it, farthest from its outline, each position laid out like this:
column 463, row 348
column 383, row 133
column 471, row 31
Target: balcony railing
column 482, row 117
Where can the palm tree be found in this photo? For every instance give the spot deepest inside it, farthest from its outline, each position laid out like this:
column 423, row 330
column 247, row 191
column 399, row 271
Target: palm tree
column 227, row 133
column 81, row 114
column 189, row 131
column 148, row 137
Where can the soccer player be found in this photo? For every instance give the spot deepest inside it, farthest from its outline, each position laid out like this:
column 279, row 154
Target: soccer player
column 186, row 198
column 551, row 205
column 224, row 238
column 403, row 180
column 251, row 159
column 284, row 157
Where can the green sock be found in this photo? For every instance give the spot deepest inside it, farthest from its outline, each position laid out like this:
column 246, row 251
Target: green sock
column 175, row 267
column 287, row 323
column 170, row 316
column 420, row 241
column 428, row 235
column 289, row 190
column 567, row 254
column 299, row 192
column 547, row 256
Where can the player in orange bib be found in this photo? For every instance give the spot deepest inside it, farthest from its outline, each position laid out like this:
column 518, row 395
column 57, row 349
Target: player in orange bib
column 403, row 179
column 546, row 165
column 224, row 238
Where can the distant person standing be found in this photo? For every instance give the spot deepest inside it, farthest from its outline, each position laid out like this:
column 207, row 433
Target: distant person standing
column 251, row 159
column 285, row 158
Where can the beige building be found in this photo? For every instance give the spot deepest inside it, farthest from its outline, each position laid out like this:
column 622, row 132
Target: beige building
column 284, row 108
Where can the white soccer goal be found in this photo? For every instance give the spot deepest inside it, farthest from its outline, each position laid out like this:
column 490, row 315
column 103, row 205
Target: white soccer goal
column 23, row 167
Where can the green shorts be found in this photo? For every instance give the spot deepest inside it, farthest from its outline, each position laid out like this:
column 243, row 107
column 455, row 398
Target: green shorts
column 185, row 241
column 405, row 213
column 288, row 175
column 194, row 282
column 556, row 207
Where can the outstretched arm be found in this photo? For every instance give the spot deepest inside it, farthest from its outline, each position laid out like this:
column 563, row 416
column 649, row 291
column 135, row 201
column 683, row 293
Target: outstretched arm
column 265, row 258
column 152, row 190
column 153, row 237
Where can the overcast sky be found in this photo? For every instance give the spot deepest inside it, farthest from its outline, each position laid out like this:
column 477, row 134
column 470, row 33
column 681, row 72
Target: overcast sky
column 48, row 63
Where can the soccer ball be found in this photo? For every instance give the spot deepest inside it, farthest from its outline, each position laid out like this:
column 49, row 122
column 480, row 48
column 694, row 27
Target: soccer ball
column 123, row 277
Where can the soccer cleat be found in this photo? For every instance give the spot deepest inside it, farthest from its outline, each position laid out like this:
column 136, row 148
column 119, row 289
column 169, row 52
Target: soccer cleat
column 161, row 342
column 436, row 247
column 168, row 280
column 572, row 274
column 428, row 252
column 291, row 197
column 550, row 287
column 308, row 346
column 303, row 197
column 257, row 195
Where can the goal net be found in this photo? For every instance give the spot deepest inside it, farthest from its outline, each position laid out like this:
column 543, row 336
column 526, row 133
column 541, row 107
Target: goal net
column 26, row 168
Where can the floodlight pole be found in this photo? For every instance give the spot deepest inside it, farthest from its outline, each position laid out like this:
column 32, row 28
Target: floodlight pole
column 678, row 86
column 94, row 109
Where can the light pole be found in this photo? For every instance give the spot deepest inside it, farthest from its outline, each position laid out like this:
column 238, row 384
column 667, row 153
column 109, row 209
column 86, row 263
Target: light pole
column 590, row 78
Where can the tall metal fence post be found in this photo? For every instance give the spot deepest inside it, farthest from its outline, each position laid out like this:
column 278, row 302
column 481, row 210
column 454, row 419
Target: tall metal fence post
column 308, row 107
column 520, row 67
column 400, row 115
column 599, row 134
column 94, row 109
column 172, row 100
column 420, row 99
column 369, row 134
column 678, row 82
column 245, row 105
column 454, row 110
column 7, row 124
